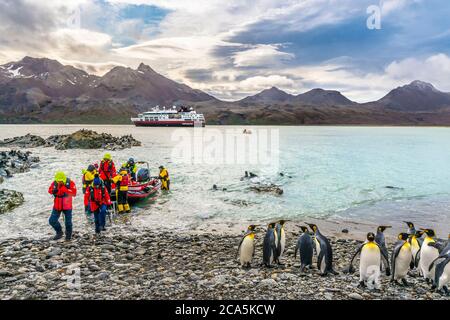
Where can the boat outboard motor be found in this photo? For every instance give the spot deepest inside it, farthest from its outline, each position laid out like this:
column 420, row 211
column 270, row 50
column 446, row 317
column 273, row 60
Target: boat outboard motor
column 143, row 175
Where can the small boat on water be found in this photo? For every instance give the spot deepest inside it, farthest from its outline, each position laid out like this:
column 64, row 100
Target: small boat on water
column 145, row 186
column 174, row 117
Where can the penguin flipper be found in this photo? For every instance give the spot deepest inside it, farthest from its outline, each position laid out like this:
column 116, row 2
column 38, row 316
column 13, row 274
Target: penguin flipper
column 296, row 250
column 395, row 253
column 385, row 258
column 319, row 259
column 435, row 261
column 350, row 268
column 239, row 247
column 417, row 258
column 440, row 267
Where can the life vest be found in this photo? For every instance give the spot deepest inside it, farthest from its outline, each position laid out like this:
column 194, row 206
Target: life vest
column 97, row 194
column 123, row 184
column 131, row 168
column 63, row 202
column 107, row 168
column 164, row 175
column 55, row 188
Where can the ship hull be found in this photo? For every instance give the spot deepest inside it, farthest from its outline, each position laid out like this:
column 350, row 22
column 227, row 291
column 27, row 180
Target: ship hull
column 168, row 123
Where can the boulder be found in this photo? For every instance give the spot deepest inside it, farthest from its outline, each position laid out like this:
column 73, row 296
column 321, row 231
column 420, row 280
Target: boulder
column 9, row 200
column 270, row 188
column 27, row 141
column 82, row 139
column 16, row 161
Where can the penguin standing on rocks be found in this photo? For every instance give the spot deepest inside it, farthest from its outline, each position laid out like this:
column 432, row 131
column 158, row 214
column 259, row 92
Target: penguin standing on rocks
column 380, row 239
column 443, row 249
column 324, row 252
column 371, row 256
column 416, row 243
column 401, row 259
column 442, row 275
column 305, row 245
column 281, row 239
column 428, row 253
column 270, row 245
column 246, row 248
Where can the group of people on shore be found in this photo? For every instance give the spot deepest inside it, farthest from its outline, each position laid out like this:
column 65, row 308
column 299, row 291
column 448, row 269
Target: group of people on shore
column 98, row 181
column 414, row 250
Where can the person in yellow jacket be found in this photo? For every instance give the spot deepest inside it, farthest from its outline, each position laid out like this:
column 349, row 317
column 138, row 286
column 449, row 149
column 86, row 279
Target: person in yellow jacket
column 164, row 177
column 132, row 168
column 88, row 178
column 121, row 181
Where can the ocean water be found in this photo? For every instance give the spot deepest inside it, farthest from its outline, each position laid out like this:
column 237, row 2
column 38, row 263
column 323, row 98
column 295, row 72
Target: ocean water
column 359, row 174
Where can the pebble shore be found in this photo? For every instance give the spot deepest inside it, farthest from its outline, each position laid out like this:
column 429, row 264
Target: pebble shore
column 127, row 263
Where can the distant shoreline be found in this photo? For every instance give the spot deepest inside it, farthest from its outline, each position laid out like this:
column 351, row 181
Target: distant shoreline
column 237, row 125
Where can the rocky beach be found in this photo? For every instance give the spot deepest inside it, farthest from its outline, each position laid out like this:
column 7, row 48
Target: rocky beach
column 130, row 263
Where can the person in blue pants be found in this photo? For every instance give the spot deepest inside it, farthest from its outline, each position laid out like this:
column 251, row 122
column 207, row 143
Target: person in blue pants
column 97, row 196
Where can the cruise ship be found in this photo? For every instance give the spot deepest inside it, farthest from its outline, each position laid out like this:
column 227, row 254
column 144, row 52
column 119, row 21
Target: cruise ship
column 170, row 117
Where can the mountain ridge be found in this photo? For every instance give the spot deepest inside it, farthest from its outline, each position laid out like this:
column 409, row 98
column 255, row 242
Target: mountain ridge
column 44, row 90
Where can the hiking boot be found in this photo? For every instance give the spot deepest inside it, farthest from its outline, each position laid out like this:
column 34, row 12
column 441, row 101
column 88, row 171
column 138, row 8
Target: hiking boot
column 58, row 236
column 68, row 238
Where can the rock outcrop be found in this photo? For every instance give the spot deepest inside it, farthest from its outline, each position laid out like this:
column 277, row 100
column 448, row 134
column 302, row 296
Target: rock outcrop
column 9, row 200
column 269, row 188
column 88, row 139
column 15, row 161
column 82, row 139
column 26, row 141
column 12, row 162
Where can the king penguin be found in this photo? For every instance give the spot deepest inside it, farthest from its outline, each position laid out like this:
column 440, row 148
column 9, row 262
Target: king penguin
column 442, row 274
column 270, row 245
column 371, row 256
column 443, row 249
column 411, row 228
column 428, row 253
column 380, row 239
column 305, row 245
column 281, row 239
column 324, row 252
column 401, row 259
column 416, row 243
column 246, row 248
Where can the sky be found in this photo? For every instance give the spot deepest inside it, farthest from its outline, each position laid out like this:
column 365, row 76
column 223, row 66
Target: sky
column 235, row 48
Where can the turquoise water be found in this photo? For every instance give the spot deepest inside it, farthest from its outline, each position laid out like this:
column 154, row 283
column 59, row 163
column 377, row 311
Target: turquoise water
column 338, row 173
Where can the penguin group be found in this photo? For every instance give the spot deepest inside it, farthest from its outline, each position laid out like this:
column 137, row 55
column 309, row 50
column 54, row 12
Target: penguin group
column 274, row 244
column 415, row 252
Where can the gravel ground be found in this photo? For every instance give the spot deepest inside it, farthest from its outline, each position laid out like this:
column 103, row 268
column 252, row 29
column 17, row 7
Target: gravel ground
column 134, row 264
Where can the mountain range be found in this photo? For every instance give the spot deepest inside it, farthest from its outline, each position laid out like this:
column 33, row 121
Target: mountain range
column 40, row 90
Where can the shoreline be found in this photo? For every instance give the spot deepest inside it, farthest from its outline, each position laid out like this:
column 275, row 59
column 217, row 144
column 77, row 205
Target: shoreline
column 128, row 263
column 236, row 125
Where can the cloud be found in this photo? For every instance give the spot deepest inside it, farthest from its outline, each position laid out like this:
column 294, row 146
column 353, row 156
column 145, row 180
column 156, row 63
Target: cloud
column 259, row 83
column 262, row 56
column 234, row 48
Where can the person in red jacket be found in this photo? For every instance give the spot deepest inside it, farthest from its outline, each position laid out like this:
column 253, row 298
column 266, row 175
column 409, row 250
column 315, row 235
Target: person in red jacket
column 97, row 196
column 107, row 171
column 63, row 190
